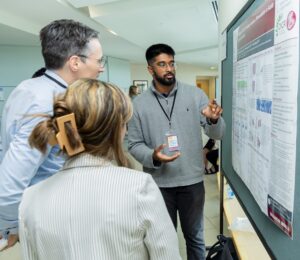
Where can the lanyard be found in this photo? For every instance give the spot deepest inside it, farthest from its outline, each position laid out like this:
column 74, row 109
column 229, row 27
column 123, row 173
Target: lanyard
column 55, row 80
column 169, row 118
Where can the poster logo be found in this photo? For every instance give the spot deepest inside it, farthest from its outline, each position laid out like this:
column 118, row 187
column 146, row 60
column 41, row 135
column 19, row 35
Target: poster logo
column 291, row 20
column 284, row 25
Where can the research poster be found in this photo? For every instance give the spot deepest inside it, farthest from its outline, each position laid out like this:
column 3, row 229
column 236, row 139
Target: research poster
column 264, row 105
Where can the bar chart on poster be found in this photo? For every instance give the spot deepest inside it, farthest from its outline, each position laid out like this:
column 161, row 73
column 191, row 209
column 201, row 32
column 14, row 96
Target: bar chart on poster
column 260, row 101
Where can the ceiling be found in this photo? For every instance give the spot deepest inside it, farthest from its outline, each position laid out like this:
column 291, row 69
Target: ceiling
column 189, row 26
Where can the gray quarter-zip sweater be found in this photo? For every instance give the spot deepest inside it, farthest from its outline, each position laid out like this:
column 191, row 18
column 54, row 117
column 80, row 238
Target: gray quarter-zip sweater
column 148, row 127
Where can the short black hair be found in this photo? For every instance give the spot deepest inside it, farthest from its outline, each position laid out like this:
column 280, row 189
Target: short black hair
column 63, row 38
column 157, row 49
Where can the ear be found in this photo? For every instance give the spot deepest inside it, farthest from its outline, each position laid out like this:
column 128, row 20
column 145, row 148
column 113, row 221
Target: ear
column 150, row 69
column 74, row 63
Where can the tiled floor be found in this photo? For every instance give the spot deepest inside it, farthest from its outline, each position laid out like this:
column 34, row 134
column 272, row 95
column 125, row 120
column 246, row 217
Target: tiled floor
column 211, row 220
column 11, row 254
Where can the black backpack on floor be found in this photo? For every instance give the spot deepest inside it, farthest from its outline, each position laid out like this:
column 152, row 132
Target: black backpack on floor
column 223, row 249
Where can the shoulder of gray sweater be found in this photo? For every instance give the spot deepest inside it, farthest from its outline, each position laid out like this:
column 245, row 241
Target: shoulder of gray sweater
column 142, row 98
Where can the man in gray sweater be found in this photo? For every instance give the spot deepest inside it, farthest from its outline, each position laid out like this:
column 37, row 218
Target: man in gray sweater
column 164, row 135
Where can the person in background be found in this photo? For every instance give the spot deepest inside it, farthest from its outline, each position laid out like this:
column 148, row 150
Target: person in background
column 133, row 92
column 211, row 154
column 93, row 209
column 71, row 51
column 164, row 135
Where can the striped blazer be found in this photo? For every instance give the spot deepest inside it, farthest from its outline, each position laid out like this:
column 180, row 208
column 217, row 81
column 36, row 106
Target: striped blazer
column 92, row 209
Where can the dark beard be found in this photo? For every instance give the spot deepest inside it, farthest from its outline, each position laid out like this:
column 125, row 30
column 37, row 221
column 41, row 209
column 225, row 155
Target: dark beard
column 164, row 80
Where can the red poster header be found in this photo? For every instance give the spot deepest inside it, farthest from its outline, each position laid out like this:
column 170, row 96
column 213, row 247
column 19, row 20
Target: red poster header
column 259, row 23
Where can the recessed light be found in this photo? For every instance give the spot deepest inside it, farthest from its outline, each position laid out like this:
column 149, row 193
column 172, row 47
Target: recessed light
column 112, row 32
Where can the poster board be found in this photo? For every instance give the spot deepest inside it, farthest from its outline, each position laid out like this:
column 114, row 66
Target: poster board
column 278, row 243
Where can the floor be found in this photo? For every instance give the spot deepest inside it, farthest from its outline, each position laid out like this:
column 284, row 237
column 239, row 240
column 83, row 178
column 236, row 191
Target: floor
column 211, row 221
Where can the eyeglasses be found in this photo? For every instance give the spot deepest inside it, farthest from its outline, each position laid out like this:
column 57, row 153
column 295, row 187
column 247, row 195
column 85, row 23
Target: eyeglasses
column 164, row 65
column 101, row 62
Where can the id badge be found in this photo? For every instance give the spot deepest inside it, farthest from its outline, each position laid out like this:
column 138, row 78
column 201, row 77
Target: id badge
column 172, row 142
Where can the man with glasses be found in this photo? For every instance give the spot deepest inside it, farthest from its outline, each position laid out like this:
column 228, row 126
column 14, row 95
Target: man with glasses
column 164, row 135
column 71, row 51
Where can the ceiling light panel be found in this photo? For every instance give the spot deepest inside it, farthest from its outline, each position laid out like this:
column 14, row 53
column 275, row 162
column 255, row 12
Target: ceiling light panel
column 84, row 3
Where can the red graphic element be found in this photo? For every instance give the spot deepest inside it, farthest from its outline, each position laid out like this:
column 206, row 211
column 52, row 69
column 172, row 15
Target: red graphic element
column 291, row 20
column 259, row 23
column 280, row 221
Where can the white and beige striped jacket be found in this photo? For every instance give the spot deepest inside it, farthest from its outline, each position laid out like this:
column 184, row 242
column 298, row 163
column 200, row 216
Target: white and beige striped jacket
column 92, row 209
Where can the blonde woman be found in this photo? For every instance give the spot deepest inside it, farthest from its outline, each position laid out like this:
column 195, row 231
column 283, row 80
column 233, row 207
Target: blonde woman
column 92, row 209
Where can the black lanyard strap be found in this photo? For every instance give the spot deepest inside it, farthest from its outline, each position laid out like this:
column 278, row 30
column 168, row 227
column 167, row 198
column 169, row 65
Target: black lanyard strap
column 174, row 99
column 55, row 80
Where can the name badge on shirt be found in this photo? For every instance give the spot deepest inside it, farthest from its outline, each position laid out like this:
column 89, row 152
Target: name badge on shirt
column 172, row 142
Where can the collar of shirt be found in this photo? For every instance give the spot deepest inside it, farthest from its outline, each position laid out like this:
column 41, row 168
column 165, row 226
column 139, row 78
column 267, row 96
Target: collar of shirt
column 86, row 160
column 162, row 95
column 52, row 74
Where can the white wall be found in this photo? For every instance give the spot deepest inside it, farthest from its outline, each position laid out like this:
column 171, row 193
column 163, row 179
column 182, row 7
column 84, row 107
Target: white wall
column 18, row 63
column 118, row 72
column 189, row 73
column 185, row 73
column 228, row 9
column 139, row 72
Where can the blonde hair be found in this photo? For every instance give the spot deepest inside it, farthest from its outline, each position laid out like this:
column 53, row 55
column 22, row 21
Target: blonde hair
column 101, row 111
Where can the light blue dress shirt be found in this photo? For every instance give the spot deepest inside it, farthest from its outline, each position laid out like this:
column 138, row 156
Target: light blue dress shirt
column 21, row 165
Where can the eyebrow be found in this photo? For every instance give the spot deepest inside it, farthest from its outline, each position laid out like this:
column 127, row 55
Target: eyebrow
column 165, row 61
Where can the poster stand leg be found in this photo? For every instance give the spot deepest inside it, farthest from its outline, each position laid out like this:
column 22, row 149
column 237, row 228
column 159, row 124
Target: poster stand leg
column 221, row 201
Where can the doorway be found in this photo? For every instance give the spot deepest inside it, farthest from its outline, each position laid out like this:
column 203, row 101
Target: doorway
column 208, row 85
